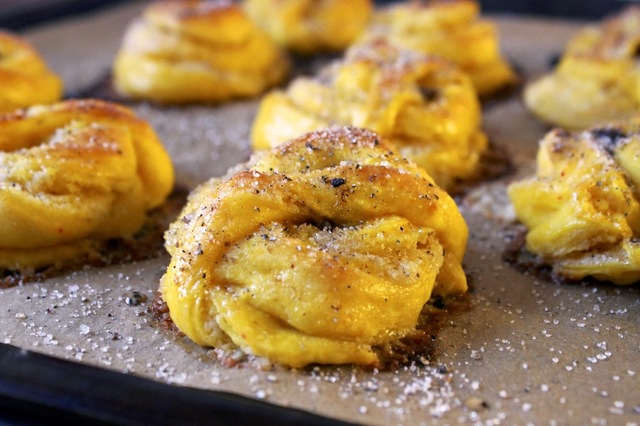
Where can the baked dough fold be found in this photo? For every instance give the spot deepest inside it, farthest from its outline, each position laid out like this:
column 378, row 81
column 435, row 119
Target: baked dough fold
column 319, row 251
column 24, row 76
column 71, row 174
column 451, row 29
column 581, row 208
column 597, row 79
column 311, row 26
column 424, row 105
column 196, row 51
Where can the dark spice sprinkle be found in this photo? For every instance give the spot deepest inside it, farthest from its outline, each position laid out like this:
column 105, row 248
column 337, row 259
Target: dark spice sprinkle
column 134, row 298
column 336, row 182
column 609, row 138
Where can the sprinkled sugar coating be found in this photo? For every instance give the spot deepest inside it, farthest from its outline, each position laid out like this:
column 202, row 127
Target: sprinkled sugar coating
column 323, row 249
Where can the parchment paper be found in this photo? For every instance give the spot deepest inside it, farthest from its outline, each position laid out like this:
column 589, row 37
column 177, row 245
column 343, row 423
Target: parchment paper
column 528, row 351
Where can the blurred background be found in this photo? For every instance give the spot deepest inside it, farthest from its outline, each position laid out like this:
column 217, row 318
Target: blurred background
column 20, row 14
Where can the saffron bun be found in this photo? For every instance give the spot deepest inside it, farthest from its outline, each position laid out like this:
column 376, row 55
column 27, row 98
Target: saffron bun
column 318, row 251
column 582, row 207
column 196, row 52
column 24, row 76
column 309, row 27
column 451, row 29
column 597, row 79
column 74, row 174
column 422, row 104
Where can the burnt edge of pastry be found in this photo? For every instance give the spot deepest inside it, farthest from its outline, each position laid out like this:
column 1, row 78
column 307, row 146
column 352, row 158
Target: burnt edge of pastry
column 421, row 346
column 147, row 243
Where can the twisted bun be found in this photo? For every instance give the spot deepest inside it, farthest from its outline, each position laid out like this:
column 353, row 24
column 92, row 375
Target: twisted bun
column 24, row 76
column 323, row 249
column 451, row 29
column 310, row 26
column 72, row 174
column 422, row 104
column 190, row 51
column 596, row 80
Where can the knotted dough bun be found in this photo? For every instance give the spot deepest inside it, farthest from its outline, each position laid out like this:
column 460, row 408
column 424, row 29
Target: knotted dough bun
column 597, row 79
column 311, row 26
column 196, row 51
column 422, row 104
column 451, row 29
column 582, row 208
column 73, row 174
column 321, row 250
column 25, row 79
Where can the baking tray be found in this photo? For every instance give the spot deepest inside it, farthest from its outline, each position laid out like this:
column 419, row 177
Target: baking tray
column 525, row 351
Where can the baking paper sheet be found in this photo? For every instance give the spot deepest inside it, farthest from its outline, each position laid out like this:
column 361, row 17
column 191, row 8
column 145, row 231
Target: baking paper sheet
column 527, row 351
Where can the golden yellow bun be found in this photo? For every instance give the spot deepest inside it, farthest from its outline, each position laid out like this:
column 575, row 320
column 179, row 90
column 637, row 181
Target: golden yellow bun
column 581, row 208
column 190, row 51
column 24, row 77
column 319, row 251
column 424, row 105
column 451, row 29
column 72, row 173
column 311, row 26
column 597, row 79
